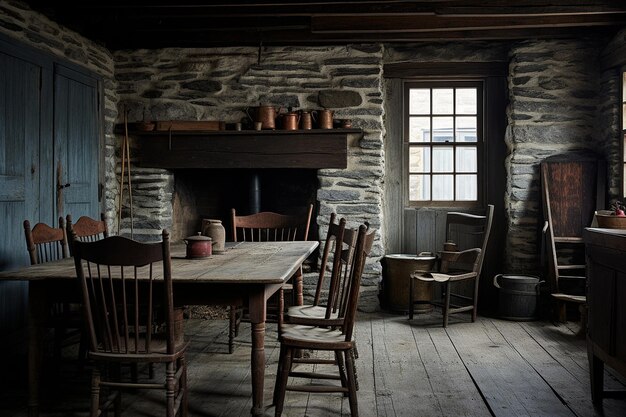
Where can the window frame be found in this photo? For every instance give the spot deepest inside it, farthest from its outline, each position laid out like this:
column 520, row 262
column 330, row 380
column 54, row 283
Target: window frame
column 622, row 131
column 481, row 146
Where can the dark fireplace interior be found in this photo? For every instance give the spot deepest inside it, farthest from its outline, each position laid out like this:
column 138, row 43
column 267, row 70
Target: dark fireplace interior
column 211, row 193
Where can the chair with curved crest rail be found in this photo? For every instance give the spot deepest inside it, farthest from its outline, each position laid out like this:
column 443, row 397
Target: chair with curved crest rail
column 47, row 244
column 86, row 229
column 123, row 302
column 334, row 335
column 267, row 227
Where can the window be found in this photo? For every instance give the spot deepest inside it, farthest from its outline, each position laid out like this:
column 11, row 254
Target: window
column 443, row 143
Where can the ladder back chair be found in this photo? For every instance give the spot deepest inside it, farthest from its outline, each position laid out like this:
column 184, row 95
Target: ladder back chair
column 267, row 227
column 46, row 244
column 127, row 289
column 471, row 235
column 335, row 336
column 573, row 188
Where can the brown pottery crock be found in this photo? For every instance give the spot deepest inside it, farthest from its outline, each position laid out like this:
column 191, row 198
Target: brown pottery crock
column 199, row 246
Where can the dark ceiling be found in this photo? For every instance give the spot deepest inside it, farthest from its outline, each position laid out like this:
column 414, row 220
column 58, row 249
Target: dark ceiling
column 154, row 24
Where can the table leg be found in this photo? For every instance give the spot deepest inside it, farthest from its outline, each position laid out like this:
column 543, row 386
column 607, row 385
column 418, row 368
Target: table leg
column 257, row 307
column 297, row 287
column 37, row 305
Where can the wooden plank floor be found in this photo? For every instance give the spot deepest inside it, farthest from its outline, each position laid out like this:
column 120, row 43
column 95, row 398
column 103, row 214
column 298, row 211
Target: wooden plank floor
column 405, row 368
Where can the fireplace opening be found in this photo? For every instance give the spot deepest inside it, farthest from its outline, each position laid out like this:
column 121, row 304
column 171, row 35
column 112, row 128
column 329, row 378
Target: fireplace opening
column 211, row 193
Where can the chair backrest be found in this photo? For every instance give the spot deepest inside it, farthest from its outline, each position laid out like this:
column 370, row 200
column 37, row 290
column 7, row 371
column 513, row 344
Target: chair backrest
column 470, row 231
column 270, row 226
column 363, row 247
column 120, row 295
column 342, row 242
column 45, row 243
column 86, row 229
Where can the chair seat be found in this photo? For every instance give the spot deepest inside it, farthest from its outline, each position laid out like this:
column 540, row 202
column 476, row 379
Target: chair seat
column 158, row 350
column 314, row 337
column 308, row 314
column 438, row 277
column 569, row 297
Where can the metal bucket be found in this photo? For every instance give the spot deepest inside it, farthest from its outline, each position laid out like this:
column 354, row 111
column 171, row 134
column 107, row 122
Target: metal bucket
column 397, row 269
column 518, row 295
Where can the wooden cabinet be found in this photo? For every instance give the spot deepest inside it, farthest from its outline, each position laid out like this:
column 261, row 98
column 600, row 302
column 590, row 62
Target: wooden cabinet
column 606, row 300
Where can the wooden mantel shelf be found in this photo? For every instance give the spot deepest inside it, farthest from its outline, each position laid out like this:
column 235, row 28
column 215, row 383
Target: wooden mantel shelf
column 312, row 149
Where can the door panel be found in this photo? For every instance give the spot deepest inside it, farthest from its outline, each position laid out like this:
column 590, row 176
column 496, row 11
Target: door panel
column 19, row 188
column 76, row 143
column 19, row 155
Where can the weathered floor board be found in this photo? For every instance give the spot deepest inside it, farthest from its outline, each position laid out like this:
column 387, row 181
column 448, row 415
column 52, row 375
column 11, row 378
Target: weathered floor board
column 405, row 368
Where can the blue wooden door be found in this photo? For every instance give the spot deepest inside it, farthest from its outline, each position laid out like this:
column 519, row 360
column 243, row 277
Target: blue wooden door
column 76, row 143
column 20, row 170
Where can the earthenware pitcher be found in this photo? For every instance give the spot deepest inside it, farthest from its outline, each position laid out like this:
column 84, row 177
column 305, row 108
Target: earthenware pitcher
column 214, row 229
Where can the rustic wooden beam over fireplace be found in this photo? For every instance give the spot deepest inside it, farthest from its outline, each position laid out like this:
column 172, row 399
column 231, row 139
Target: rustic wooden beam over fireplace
column 313, row 149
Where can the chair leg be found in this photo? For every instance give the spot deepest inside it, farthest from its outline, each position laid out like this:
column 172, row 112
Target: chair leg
column 342, row 370
column 281, row 358
column 95, row 393
column 281, row 380
column 170, row 387
column 475, row 301
column 411, row 305
column 446, row 304
column 351, row 372
column 232, row 328
column 183, row 386
column 355, row 356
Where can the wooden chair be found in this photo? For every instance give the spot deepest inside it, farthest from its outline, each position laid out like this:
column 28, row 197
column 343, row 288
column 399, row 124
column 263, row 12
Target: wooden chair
column 122, row 299
column 466, row 231
column 47, row 244
column 267, row 227
column 342, row 242
column 336, row 337
column 573, row 188
column 86, row 229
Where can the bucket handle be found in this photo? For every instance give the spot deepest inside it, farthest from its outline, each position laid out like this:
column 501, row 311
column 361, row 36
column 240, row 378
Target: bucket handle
column 495, row 280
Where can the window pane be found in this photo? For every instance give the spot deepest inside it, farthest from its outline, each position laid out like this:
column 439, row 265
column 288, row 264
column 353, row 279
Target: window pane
column 419, row 187
column 419, row 129
column 442, row 129
column 443, row 159
column 466, row 187
column 466, row 159
column 419, row 159
column 466, row 130
column 443, row 187
column 466, row 101
column 419, row 101
column 442, row 101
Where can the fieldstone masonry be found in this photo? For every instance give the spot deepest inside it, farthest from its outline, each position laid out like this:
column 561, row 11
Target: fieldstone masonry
column 219, row 84
column 559, row 101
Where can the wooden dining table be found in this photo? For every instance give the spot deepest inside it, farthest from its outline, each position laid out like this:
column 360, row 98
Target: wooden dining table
column 245, row 273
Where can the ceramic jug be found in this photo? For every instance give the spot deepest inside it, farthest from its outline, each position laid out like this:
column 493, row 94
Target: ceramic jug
column 214, row 229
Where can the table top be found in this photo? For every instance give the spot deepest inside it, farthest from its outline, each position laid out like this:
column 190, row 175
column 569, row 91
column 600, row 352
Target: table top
column 244, row 262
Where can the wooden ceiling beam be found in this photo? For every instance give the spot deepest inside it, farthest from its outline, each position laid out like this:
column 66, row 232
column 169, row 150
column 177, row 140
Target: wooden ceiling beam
column 361, row 24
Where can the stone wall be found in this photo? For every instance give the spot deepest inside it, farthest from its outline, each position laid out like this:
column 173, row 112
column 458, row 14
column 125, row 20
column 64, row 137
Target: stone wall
column 219, row 84
column 559, row 101
column 554, row 105
column 30, row 28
